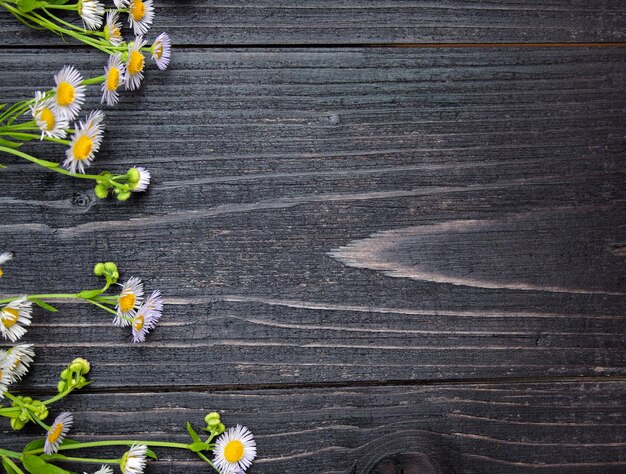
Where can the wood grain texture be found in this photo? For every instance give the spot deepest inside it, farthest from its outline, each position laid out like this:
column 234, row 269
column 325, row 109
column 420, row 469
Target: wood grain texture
column 498, row 169
column 315, row 22
column 477, row 428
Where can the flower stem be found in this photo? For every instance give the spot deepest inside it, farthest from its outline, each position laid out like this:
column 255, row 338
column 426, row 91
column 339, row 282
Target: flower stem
column 49, row 165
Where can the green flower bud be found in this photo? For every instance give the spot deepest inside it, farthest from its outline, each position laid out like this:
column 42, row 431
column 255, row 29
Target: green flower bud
column 211, row 417
column 220, row 428
column 23, row 416
column 17, row 424
column 133, row 176
column 80, row 365
column 110, row 267
column 65, row 374
column 123, row 195
column 101, row 190
column 99, row 269
column 61, row 386
column 115, row 275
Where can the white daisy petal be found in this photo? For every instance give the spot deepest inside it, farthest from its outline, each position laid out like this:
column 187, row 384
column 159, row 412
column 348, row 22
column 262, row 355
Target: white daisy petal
column 6, row 256
column 234, row 449
column 129, row 301
column 69, row 93
column 50, row 122
column 103, row 470
column 144, row 180
column 162, row 51
column 85, row 143
column 92, row 12
column 134, row 460
column 140, row 15
column 135, row 65
column 113, row 79
column 57, row 432
column 147, row 317
column 7, row 362
column 14, row 317
column 113, row 29
column 121, row 4
column 22, row 356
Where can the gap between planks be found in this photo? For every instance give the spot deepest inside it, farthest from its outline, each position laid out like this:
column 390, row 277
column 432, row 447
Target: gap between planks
column 342, row 385
column 615, row 44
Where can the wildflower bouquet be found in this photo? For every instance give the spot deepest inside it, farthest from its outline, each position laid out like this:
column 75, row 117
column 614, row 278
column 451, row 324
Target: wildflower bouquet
column 233, row 449
column 128, row 307
column 48, row 115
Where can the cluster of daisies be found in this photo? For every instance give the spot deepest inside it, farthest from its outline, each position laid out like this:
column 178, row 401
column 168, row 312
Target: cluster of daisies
column 55, row 112
column 232, row 449
column 128, row 307
column 14, row 364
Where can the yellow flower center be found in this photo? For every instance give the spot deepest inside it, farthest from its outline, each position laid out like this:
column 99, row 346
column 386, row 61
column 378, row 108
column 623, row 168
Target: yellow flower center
column 112, row 32
column 138, row 322
column 135, row 62
column 55, row 432
column 233, row 452
column 82, row 148
column 113, row 78
column 127, row 302
column 65, row 94
column 158, row 50
column 47, row 116
column 138, row 10
column 9, row 317
column 1, row 273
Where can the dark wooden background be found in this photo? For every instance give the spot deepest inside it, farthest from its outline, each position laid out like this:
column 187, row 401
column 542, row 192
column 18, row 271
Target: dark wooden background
column 391, row 235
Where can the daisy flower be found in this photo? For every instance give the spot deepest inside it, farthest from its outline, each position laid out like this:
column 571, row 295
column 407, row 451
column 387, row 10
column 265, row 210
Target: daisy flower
column 128, row 301
column 144, row 180
column 6, row 256
column 136, row 63
column 234, row 449
column 14, row 316
column 161, row 51
column 140, row 15
column 113, row 79
column 91, row 11
column 69, row 93
column 49, row 122
column 145, row 319
column 134, row 460
column 6, row 373
column 57, row 432
column 113, row 29
column 103, row 470
column 22, row 356
column 85, row 143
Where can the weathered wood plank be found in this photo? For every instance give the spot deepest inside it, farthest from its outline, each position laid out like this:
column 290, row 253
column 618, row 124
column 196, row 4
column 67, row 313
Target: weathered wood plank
column 482, row 190
column 365, row 22
column 495, row 428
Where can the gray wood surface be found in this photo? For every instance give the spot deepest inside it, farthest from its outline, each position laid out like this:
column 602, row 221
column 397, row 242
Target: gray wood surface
column 497, row 428
column 228, row 22
column 379, row 259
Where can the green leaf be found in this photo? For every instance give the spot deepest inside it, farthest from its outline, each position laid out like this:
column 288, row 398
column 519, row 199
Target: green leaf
column 34, row 444
column 57, row 2
column 10, row 144
column 7, row 467
column 44, row 305
column 193, row 434
column 151, row 454
column 88, row 294
column 30, row 5
column 198, row 446
column 36, row 465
